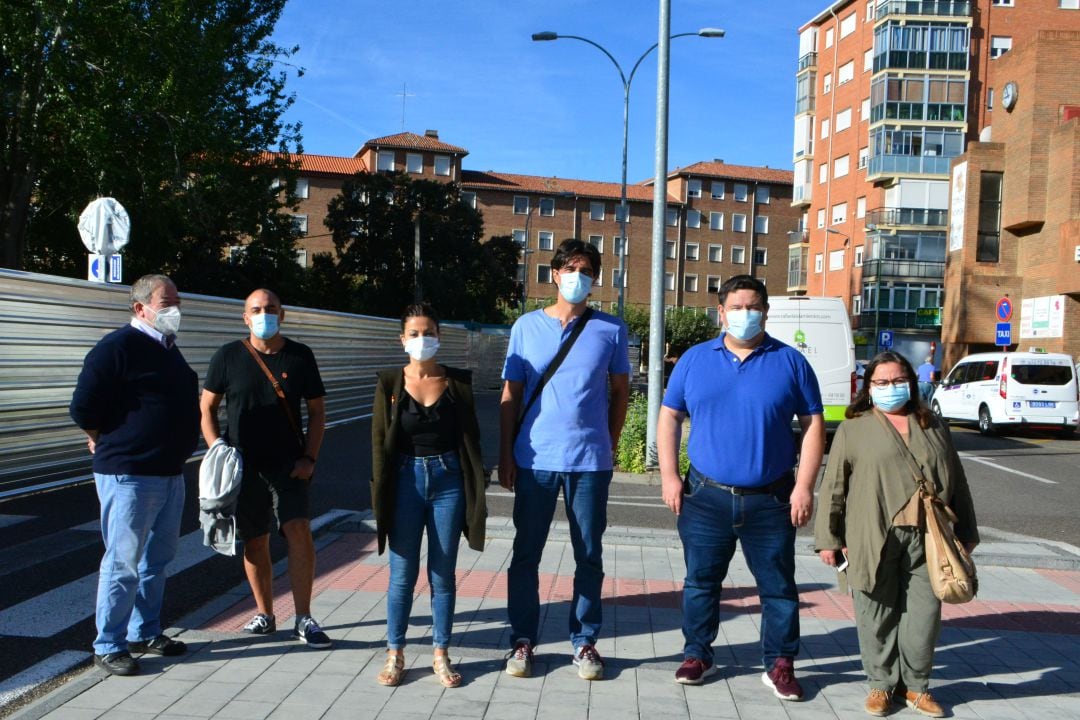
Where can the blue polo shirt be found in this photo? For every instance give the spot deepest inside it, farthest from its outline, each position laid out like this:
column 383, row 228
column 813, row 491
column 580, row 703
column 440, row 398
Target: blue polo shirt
column 566, row 429
column 740, row 411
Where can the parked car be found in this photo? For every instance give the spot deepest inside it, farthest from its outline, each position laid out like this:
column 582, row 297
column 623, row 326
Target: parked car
column 1035, row 389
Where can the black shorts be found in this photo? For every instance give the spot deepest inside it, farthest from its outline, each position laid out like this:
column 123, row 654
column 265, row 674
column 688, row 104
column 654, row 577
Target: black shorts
column 267, row 495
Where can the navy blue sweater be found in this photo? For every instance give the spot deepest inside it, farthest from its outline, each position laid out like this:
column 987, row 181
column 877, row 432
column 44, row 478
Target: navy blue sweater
column 143, row 399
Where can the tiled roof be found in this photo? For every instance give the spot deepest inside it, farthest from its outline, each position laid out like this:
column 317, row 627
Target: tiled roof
column 715, row 168
column 326, row 164
column 412, row 141
column 510, row 182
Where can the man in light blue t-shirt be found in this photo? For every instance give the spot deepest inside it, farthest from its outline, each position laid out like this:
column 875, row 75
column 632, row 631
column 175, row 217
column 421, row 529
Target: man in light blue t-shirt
column 565, row 441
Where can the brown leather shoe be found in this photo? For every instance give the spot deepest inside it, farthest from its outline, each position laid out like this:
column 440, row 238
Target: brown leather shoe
column 923, row 703
column 878, row 702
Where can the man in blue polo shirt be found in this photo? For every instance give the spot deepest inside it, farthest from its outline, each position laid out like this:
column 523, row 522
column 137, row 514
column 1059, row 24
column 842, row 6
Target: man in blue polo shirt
column 565, row 441
column 740, row 392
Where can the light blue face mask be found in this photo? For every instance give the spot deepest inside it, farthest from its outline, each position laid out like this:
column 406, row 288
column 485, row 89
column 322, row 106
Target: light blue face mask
column 743, row 324
column 574, row 287
column 264, row 326
column 892, row 397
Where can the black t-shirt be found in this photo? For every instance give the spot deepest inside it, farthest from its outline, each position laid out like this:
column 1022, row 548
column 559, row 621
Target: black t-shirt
column 255, row 421
column 427, row 430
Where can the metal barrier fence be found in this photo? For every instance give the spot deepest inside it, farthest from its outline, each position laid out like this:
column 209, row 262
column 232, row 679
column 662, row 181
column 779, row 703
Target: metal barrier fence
column 48, row 324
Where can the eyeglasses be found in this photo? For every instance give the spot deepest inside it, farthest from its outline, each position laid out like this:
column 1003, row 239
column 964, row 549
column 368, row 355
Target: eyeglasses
column 897, row 382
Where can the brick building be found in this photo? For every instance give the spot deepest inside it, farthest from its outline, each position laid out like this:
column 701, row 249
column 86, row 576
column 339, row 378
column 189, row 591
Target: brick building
column 722, row 220
column 888, row 93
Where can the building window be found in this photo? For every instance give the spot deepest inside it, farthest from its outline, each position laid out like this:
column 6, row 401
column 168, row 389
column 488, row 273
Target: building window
column 738, row 222
column 738, row 254
column 826, row 83
column 301, row 257
column 620, row 244
column 839, row 213
column 712, row 284
column 856, row 304
column 1069, row 4
column 823, row 173
column 519, row 237
column 717, row 189
column 870, row 10
column 385, row 161
column 543, row 274
column 840, row 166
column 300, row 223
column 999, row 45
column 716, row 221
column 716, row 253
column 821, row 217
column 618, row 278
column 597, row 241
column 693, row 218
column 740, row 192
column 847, row 25
column 521, row 205
column 761, row 224
column 669, row 281
column 596, row 211
column 521, row 272
column 689, row 283
column 761, row 256
column 989, row 242
column 693, row 188
column 302, row 188
column 836, row 259
column 622, row 213
column 818, row 263
column 670, row 250
column 829, row 35
column 692, row 250
column 414, row 163
column 845, row 73
column 442, row 165
column 843, row 119
column 469, row 198
column 545, row 240
column 761, row 195
column 868, row 60
column 547, row 207
column 860, row 207
column 672, row 217
column 599, row 279
column 858, row 255
column 825, row 125
column 864, row 109
column 713, row 314
column 864, row 157
column 990, row 95
column 1002, row 3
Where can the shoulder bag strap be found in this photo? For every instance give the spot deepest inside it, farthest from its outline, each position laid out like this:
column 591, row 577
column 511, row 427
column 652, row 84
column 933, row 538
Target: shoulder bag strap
column 564, row 349
column 926, row 486
column 277, row 390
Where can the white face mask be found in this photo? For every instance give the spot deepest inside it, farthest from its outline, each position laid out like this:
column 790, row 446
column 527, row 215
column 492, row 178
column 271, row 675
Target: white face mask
column 166, row 320
column 422, row 348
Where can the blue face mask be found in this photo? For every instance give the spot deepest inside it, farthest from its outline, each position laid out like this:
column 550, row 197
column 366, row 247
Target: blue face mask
column 264, row 326
column 743, row 324
column 574, row 287
column 891, row 398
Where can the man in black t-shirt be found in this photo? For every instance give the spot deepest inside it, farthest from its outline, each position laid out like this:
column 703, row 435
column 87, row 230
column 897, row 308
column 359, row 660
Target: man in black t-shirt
column 279, row 459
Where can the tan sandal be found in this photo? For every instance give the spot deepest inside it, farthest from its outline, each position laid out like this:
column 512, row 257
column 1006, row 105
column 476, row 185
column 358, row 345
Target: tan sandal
column 448, row 676
column 393, row 671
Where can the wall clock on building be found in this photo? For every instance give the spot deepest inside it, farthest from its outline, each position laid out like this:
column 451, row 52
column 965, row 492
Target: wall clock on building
column 1008, row 96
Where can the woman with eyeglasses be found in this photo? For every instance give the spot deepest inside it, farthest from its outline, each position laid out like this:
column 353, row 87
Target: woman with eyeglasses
column 869, row 526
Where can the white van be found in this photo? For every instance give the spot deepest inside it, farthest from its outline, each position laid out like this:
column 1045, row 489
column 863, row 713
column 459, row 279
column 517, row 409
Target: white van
column 819, row 328
column 1015, row 388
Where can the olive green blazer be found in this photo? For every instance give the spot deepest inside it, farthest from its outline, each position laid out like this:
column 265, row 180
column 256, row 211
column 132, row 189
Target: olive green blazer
column 385, row 422
column 867, row 481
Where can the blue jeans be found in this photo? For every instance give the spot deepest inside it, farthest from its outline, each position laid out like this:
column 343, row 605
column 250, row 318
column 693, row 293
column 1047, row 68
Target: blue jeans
column 585, row 495
column 430, row 493
column 711, row 521
column 140, row 524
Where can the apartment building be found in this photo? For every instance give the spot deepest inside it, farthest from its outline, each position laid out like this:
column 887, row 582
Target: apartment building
column 888, row 93
column 721, row 219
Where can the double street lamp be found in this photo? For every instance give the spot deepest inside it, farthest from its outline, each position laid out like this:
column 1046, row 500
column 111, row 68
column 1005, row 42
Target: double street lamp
column 623, row 212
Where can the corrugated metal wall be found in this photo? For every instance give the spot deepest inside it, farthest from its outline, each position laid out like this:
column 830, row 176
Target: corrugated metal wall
column 48, row 324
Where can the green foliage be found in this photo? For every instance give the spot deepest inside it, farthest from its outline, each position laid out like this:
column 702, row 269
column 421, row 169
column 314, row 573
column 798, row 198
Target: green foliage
column 685, row 327
column 512, row 311
column 630, row 454
column 636, row 318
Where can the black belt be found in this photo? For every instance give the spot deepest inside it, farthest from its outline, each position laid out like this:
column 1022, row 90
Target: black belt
column 783, row 481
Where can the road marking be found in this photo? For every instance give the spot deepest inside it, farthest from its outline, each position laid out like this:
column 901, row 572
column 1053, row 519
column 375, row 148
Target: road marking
column 9, row 520
column 22, row 683
column 984, row 461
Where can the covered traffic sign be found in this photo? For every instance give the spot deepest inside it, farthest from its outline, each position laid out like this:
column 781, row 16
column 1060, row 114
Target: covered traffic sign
column 104, row 226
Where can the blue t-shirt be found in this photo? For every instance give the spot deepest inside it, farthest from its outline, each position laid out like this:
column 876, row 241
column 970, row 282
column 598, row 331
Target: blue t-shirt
column 566, row 429
column 740, row 412
column 926, row 372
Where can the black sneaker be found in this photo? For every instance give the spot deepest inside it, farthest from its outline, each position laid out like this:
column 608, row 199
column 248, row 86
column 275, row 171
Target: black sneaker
column 161, row 645
column 117, row 663
column 261, row 624
column 308, row 631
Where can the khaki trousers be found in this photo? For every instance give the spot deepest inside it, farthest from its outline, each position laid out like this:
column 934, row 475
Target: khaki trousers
column 899, row 622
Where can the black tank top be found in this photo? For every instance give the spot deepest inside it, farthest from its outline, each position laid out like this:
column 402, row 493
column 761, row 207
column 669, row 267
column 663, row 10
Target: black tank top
column 427, row 430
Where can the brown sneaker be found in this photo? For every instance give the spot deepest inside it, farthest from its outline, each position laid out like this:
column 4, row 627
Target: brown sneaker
column 878, row 702
column 782, row 680
column 923, row 703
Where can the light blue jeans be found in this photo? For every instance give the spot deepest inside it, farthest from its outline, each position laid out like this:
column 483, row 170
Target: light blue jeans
column 140, row 524
column 430, row 493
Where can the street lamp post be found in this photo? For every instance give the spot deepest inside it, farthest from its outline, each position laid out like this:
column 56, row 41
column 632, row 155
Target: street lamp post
column 623, row 210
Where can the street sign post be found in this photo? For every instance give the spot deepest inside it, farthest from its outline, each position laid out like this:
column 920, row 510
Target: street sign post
column 1004, row 334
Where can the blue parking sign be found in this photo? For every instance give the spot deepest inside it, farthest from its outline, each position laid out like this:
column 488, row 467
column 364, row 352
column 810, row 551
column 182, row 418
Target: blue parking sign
column 1004, row 333
column 885, row 339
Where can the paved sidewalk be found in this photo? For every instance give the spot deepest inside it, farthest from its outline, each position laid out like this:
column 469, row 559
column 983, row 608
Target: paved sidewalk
column 1012, row 653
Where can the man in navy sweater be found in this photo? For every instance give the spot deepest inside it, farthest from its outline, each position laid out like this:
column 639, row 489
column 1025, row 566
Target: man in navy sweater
column 137, row 401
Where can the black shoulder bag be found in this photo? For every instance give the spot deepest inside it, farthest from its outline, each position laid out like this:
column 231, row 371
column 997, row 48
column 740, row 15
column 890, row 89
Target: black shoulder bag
column 564, row 349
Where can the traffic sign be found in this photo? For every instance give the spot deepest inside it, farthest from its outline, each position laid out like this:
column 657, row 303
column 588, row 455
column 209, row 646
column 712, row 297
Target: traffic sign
column 1003, row 310
column 885, row 339
column 116, row 269
column 1004, row 333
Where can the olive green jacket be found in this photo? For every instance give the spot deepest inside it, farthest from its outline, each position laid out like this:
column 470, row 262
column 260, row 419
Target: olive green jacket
column 385, row 423
column 867, row 481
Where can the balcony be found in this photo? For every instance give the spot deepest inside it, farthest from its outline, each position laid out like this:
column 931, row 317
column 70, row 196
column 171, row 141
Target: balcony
column 807, row 61
column 890, row 320
column 878, row 270
column 914, row 217
column 801, row 194
column 944, row 8
column 804, row 105
column 883, row 166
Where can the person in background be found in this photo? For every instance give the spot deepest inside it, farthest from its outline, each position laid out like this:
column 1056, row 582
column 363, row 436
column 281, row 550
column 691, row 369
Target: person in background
column 927, row 373
column 870, row 516
column 427, row 472
column 137, row 400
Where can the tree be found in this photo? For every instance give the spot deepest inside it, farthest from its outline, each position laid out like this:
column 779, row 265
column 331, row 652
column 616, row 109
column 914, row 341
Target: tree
column 685, row 327
column 372, row 223
column 165, row 106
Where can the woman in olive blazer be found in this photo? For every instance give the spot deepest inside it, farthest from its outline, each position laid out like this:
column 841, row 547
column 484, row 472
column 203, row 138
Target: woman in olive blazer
column 427, row 473
column 869, row 515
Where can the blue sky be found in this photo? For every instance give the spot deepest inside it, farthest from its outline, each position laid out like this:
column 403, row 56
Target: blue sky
column 547, row 108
